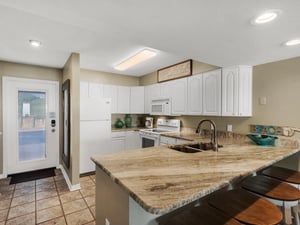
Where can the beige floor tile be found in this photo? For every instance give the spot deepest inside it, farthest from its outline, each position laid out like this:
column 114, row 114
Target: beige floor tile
column 45, row 180
column 4, row 204
column 78, row 218
column 4, row 188
column 21, row 210
column 85, row 178
column 28, row 219
column 73, row 206
column 45, row 186
column 59, row 178
column 47, row 203
column 24, row 191
column 3, row 214
column 71, row 196
column 6, row 195
column 91, row 223
column 49, row 214
column 46, row 194
column 86, row 191
column 25, row 184
column 56, row 221
column 5, row 181
column 2, row 223
column 87, row 183
column 22, row 200
column 61, row 183
column 93, row 210
column 90, row 200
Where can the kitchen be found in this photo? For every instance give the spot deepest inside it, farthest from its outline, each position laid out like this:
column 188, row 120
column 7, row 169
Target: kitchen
column 274, row 79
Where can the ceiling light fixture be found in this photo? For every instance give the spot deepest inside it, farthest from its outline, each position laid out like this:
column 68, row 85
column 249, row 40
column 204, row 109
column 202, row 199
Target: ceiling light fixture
column 136, row 59
column 292, row 42
column 35, row 43
column 266, row 17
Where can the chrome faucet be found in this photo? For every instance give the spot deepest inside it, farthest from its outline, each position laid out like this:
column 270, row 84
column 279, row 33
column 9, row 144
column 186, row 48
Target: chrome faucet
column 213, row 139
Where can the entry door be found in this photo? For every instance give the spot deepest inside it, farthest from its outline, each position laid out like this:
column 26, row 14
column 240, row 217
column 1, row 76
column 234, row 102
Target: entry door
column 30, row 124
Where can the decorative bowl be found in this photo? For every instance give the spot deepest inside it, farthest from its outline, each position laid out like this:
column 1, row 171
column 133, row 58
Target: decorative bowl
column 264, row 140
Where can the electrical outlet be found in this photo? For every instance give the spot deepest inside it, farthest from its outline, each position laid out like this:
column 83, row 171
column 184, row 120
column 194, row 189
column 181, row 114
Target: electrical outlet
column 107, row 221
column 229, row 127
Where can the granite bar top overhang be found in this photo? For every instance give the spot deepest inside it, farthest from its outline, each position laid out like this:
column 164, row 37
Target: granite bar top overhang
column 161, row 179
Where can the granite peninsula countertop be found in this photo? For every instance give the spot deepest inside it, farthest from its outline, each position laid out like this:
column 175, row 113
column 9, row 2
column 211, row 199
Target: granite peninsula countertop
column 161, row 180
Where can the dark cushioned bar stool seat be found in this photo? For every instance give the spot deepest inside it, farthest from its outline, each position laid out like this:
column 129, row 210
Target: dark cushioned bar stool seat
column 246, row 207
column 202, row 215
column 287, row 175
column 284, row 194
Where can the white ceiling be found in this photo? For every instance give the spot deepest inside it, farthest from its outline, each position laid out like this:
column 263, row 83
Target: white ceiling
column 105, row 32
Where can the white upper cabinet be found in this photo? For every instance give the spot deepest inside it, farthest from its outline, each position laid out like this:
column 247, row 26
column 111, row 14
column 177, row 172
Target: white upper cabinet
column 194, row 100
column 152, row 92
column 212, row 93
column 137, row 100
column 178, row 92
column 84, row 90
column 95, row 90
column 123, row 99
column 111, row 91
column 237, row 91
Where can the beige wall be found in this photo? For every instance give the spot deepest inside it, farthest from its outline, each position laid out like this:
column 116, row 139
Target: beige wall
column 108, row 78
column 72, row 71
column 25, row 71
column 279, row 82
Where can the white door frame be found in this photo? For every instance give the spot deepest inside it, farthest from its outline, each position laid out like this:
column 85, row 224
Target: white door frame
column 5, row 110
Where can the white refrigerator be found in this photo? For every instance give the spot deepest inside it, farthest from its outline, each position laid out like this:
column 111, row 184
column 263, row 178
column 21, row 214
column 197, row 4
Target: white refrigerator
column 95, row 130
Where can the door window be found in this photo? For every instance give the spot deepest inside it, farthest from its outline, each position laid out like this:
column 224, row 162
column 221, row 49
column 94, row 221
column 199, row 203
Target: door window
column 31, row 125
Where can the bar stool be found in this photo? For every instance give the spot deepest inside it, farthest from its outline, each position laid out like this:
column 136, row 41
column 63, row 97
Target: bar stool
column 247, row 208
column 286, row 175
column 202, row 215
column 279, row 193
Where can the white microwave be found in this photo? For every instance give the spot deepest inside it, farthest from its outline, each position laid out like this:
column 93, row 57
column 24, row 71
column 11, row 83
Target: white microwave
column 161, row 106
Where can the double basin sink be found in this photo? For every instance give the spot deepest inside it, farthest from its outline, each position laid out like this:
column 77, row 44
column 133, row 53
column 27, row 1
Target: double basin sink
column 194, row 148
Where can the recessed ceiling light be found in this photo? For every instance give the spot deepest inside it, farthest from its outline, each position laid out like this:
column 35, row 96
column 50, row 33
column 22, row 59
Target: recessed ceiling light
column 266, row 17
column 35, row 43
column 136, row 59
column 292, row 42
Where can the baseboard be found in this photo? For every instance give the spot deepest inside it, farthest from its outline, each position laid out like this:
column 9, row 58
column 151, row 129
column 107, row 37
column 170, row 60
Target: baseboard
column 71, row 187
column 2, row 176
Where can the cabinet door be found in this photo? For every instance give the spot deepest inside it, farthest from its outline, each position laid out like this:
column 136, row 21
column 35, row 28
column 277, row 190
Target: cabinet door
column 151, row 92
column 84, row 90
column 230, row 91
column 123, row 99
column 95, row 90
column 137, row 100
column 110, row 91
column 212, row 93
column 133, row 140
column 195, row 95
column 178, row 90
column 245, row 91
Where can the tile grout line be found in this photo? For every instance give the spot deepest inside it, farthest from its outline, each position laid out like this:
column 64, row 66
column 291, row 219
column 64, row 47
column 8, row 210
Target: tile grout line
column 8, row 211
column 58, row 195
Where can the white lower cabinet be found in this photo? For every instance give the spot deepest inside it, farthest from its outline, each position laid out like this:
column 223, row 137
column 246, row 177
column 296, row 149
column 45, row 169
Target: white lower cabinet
column 133, row 140
column 118, row 141
column 125, row 140
column 170, row 140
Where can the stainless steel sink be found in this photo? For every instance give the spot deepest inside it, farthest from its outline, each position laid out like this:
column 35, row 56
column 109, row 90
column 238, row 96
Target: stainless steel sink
column 194, row 148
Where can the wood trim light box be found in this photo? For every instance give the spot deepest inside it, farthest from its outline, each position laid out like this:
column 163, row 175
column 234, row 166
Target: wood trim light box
column 176, row 71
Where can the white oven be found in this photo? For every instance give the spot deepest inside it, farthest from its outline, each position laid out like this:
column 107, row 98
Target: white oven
column 151, row 137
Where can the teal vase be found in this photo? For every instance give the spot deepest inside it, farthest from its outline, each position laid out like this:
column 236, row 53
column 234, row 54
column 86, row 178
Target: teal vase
column 128, row 120
column 119, row 123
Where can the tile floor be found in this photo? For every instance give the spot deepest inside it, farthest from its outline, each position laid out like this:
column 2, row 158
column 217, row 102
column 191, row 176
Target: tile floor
column 47, row 201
